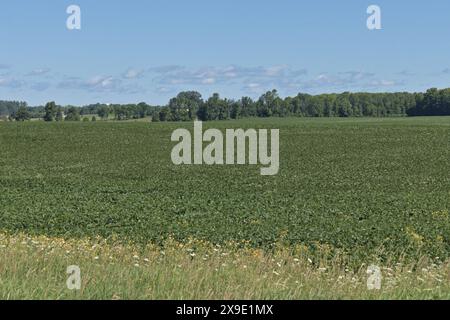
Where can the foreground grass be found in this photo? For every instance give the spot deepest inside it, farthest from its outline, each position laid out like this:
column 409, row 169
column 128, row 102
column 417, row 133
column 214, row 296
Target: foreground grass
column 35, row 268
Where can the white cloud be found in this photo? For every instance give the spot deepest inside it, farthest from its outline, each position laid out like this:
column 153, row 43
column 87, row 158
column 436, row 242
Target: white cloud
column 229, row 75
column 209, row 81
column 347, row 81
column 133, row 74
column 38, row 72
column 383, row 83
column 275, row 70
column 100, row 83
column 163, row 90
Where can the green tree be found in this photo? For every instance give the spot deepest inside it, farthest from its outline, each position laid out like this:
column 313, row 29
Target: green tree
column 185, row 106
column 73, row 114
column 268, row 104
column 164, row 114
column 155, row 117
column 248, row 107
column 22, row 114
column 103, row 112
column 236, row 110
column 50, row 111
column 59, row 115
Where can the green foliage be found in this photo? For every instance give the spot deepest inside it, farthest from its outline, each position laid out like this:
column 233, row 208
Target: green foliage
column 10, row 107
column 214, row 108
column 122, row 112
column 59, row 115
column 164, row 114
column 189, row 105
column 183, row 107
column 103, row 112
column 433, row 103
column 50, row 111
column 73, row 114
column 352, row 184
column 155, row 116
column 22, row 114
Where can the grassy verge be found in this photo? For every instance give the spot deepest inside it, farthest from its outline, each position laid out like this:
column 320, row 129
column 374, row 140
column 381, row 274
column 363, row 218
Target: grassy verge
column 35, row 268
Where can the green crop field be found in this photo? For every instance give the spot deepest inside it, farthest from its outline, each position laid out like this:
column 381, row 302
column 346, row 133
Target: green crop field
column 350, row 192
column 353, row 184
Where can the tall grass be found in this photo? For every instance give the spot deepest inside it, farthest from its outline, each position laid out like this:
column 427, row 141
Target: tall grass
column 35, row 268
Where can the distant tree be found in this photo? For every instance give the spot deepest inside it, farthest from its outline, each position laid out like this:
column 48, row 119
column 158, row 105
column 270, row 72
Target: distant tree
column 7, row 108
column 59, row 115
column 123, row 112
column 214, row 108
column 94, row 119
column 184, row 106
column 73, row 114
column 189, row 105
column 236, row 110
column 141, row 110
column 50, row 111
column 248, row 107
column 155, row 116
column 343, row 106
column 268, row 104
column 22, row 114
column 103, row 112
column 164, row 114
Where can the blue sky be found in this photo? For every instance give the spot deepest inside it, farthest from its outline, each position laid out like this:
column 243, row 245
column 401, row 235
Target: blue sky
column 149, row 50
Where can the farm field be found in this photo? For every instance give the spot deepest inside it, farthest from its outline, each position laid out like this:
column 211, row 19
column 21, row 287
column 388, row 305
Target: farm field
column 369, row 190
column 35, row 268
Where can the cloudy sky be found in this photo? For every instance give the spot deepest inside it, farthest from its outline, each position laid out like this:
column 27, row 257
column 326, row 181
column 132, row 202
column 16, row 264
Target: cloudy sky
column 141, row 50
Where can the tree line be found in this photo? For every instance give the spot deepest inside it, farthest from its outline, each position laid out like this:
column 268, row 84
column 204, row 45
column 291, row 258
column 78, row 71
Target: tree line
column 189, row 105
column 53, row 112
column 9, row 107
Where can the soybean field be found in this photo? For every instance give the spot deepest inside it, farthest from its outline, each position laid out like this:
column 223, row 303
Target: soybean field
column 359, row 185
